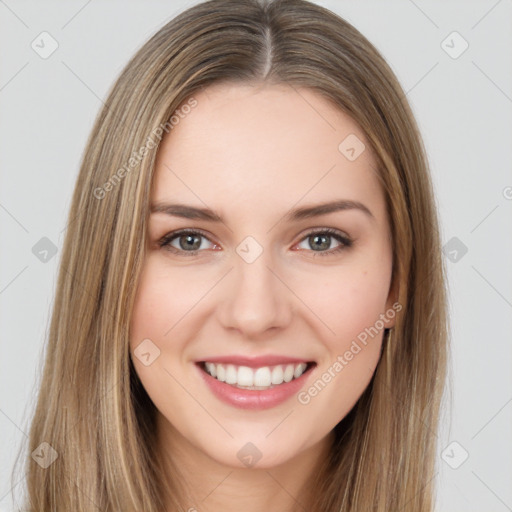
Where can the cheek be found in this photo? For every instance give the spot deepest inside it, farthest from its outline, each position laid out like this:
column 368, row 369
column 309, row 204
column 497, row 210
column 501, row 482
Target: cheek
column 148, row 312
column 164, row 305
column 350, row 301
column 350, row 304
column 161, row 304
column 163, row 298
column 347, row 300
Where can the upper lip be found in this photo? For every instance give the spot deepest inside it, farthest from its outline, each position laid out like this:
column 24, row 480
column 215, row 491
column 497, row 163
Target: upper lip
column 255, row 362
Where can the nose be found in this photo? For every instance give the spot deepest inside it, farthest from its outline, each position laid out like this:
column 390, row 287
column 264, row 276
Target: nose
column 255, row 299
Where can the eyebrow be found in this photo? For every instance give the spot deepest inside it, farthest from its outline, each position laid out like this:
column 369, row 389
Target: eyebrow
column 307, row 212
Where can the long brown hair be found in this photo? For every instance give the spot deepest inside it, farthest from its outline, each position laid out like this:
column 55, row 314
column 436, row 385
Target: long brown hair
column 92, row 409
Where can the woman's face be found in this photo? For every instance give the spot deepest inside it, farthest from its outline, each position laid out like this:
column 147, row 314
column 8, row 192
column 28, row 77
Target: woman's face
column 266, row 285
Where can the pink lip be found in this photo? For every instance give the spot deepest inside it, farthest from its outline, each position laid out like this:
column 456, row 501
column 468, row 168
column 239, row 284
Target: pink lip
column 255, row 362
column 251, row 398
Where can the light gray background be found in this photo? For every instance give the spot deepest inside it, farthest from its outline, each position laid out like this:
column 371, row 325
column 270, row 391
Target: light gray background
column 463, row 107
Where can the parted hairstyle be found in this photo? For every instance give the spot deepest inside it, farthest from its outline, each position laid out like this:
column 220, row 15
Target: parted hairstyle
column 91, row 407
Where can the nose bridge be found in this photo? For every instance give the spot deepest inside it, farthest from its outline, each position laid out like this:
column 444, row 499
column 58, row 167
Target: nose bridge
column 256, row 300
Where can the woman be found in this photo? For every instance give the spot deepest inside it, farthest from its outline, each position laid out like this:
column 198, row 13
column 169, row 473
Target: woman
column 250, row 309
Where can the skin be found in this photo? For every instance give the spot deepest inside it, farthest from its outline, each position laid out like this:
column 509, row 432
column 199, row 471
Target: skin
column 252, row 153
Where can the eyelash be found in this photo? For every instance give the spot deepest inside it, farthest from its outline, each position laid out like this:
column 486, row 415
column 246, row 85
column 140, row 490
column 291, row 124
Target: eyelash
column 344, row 240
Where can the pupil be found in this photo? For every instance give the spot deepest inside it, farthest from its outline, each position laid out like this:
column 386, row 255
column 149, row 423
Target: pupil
column 190, row 242
column 324, row 241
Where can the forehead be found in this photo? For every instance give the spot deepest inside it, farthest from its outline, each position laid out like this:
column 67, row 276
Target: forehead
column 264, row 145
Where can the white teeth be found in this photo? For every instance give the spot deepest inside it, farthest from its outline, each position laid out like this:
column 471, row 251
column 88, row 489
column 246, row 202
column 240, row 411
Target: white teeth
column 245, row 376
column 264, row 377
column 231, row 375
column 212, row 369
column 221, row 373
column 277, row 375
column 288, row 373
column 299, row 370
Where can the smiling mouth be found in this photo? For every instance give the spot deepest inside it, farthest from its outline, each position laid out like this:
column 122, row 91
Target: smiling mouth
column 259, row 379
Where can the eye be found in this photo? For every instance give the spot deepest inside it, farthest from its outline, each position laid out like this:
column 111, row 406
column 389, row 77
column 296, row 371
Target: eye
column 191, row 242
column 184, row 241
column 320, row 240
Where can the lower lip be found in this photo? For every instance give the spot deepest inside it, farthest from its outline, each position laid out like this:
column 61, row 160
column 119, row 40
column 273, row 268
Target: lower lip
column 252, row 398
